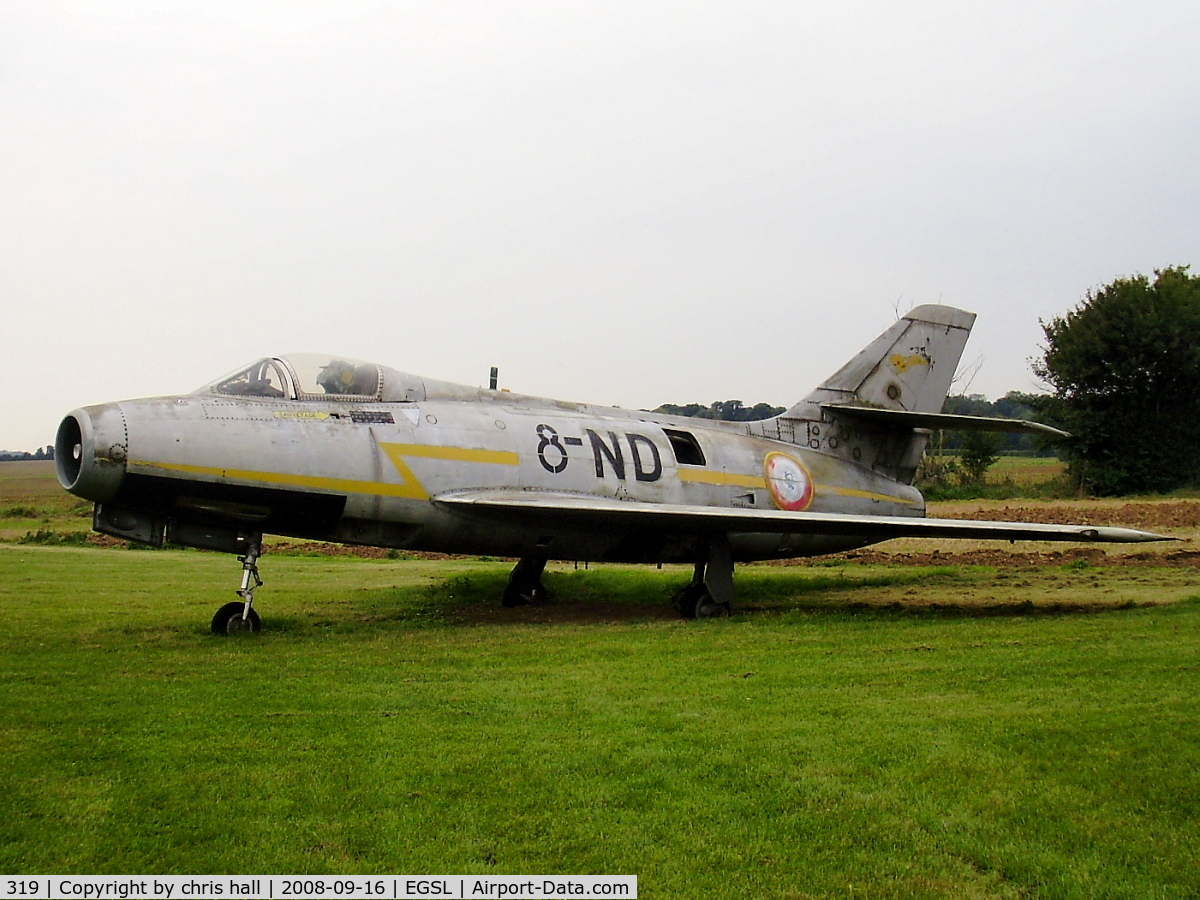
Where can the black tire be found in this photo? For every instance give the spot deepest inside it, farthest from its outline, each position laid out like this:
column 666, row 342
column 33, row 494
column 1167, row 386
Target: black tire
column 695, row 602
column 687, row 599
column 514, row 596
column 708, row 608
column 228, row 619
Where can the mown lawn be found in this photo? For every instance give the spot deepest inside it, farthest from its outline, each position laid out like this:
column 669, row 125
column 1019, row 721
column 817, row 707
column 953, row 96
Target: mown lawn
column 824, row 744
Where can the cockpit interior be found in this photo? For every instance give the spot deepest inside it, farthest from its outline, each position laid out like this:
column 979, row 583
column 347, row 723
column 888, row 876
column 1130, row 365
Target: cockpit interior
column 303, row 376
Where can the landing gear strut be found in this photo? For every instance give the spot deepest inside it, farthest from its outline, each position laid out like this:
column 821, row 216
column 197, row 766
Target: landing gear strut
column 525, row 583
column 710, row 593
column 239, row 616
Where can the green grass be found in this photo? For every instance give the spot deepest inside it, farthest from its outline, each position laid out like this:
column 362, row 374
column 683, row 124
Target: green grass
column 1023, row 470
column 1008, row 478
column 390, row 719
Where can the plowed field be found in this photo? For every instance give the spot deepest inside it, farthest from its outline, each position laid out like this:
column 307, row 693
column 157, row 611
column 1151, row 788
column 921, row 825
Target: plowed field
column 1176, row 519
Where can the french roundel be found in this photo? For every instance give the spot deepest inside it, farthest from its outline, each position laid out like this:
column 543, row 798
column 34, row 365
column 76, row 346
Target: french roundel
column 790, row 484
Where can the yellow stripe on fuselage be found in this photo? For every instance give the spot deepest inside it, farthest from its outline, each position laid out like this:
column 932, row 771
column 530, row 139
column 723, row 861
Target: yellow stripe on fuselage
column 696, row 476
column 342, row 485
column 458, row 454
column 410, row 487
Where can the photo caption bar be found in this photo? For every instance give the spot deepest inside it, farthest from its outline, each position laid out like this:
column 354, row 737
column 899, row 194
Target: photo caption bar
column 324, row 887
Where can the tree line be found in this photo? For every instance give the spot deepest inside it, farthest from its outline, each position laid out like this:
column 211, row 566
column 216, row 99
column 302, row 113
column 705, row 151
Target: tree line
column 724, row 410
column 1124, row 369
column 15, row 455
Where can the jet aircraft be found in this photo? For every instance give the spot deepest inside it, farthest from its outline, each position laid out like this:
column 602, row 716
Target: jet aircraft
column 334, row 449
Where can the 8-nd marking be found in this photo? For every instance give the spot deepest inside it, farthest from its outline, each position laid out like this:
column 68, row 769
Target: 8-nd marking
column 644, row 453
column 557, row 460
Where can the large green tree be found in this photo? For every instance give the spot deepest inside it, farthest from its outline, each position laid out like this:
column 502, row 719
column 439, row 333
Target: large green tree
column 1125, row 370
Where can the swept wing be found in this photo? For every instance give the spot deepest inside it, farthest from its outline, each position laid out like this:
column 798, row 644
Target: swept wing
column 543, row 506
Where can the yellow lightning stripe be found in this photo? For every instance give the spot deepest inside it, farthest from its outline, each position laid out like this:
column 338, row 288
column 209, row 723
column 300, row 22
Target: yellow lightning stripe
column 458, row 454
column 729, row 478
column 410, row 488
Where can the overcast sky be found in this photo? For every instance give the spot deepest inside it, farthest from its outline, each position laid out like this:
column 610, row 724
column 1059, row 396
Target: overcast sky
column 620, row 203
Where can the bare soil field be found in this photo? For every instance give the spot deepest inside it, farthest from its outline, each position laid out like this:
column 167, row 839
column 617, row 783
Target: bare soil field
column 28, row 480
column 1176, row 519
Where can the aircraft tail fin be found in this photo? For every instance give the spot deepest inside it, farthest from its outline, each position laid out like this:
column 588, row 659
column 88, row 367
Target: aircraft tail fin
column 908, row 367
column 904, row 372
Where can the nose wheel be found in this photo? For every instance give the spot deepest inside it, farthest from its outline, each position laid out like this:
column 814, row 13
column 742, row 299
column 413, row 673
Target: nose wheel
column 238, row 616
column 234, row 618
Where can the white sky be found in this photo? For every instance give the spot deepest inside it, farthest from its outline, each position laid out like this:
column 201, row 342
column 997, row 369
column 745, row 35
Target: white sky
column 620, row 202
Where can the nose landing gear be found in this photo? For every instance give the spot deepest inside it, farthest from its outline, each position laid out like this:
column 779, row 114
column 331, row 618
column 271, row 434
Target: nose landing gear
column 238, row 616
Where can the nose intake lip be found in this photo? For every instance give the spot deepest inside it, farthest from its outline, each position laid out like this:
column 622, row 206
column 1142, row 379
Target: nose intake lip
column 68, row 451
column 89, row 452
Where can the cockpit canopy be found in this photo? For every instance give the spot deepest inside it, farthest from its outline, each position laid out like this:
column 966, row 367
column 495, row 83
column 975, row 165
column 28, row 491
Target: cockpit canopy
column 314, row 376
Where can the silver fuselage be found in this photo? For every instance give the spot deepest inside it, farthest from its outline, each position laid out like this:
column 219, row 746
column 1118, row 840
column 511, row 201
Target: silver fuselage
column 373, row 472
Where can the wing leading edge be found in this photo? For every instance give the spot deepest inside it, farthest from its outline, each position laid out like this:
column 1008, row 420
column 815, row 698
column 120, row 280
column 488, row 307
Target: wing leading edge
column 575, row 509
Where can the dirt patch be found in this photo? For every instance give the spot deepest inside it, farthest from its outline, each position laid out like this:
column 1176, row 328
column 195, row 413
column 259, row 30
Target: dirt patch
column 1178, row 519
column 1159, row 515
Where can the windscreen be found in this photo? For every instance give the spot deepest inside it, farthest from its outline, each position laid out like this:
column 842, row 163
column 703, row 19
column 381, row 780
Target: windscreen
column 264, row 378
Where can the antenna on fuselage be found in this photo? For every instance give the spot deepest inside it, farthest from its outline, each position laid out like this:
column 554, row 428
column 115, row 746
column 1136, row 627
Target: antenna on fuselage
column 494, row 379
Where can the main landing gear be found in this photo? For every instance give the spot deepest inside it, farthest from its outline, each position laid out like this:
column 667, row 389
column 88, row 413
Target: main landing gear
column 238, row 616
column 525, row 583
column 709, row 595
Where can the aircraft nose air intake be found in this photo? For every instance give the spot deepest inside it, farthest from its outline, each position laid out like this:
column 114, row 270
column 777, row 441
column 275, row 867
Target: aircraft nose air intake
column 90, row 451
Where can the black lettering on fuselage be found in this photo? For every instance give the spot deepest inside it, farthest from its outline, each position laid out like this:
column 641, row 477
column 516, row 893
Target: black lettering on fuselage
column 655, row 472
column 550, row 452
column 602, row 451
column 647, row 460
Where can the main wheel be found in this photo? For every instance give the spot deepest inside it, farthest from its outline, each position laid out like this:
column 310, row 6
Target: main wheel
column 228, row 619
column 524, row 596
column 686, row 598
column 708, row 608
column 695, row 602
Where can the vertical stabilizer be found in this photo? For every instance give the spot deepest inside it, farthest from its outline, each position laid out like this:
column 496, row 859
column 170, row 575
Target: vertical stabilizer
column 909, row 367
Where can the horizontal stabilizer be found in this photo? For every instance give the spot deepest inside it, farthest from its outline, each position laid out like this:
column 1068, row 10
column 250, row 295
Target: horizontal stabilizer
column 903, row 418
column 591, row 511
